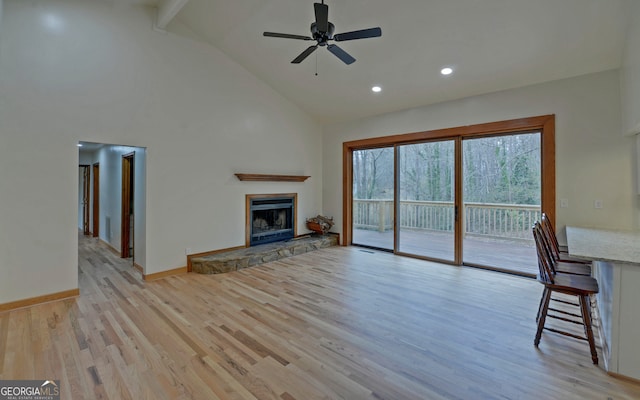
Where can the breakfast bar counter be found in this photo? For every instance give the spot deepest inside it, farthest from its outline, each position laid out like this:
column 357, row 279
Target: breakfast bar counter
column 616, row 266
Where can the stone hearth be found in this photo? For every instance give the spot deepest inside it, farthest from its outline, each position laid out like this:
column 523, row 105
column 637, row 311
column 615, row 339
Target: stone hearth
column 255, row 255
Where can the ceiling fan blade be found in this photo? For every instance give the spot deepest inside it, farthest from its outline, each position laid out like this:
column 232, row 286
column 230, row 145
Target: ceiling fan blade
column 361, row 34
column 341, row 54
column 287, row 36
column 304, row 54
column 322, row 17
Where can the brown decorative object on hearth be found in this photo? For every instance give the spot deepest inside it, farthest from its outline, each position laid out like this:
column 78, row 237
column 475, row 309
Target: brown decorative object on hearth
column 272, row 178
column 320, row 224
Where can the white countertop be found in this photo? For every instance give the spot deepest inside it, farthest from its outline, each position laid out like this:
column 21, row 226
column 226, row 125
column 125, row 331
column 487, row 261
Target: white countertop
column 604, row 245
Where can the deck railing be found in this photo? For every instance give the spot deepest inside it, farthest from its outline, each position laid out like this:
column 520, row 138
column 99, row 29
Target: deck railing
column 484, row 219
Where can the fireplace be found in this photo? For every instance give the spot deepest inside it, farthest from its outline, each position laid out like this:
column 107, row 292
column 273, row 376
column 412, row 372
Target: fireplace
column 270, row 218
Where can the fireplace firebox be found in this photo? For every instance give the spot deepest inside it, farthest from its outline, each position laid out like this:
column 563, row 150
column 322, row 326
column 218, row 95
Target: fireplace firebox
column 270, row 218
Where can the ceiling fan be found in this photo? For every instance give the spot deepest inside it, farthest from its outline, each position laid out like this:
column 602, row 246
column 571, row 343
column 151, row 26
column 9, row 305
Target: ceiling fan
column 322, row 32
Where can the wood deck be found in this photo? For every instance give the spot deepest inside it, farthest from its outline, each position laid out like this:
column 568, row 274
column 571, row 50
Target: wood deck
column 511, row 255
column 343, row 324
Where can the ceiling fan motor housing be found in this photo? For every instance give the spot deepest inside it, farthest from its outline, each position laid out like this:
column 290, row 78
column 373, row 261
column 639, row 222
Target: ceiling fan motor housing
column 322, row 37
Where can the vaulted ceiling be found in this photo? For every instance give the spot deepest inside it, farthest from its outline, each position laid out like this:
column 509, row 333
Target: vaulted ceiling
column 491, row 45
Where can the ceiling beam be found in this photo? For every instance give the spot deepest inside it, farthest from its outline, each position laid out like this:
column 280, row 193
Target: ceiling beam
column 167, row 11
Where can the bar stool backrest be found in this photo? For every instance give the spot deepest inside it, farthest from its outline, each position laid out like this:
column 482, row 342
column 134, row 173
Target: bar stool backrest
column 545, row 263
column 550, row 236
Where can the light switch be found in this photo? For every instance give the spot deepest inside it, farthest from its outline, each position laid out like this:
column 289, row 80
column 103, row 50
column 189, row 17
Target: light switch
column 564, row 203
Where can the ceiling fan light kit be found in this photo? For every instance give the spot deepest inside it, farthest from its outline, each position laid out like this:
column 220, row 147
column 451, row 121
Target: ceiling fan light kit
column 322, row 32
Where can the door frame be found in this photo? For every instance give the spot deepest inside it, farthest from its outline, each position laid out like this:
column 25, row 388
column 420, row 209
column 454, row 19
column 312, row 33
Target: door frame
column 545, row 124
column 96, row 200
column 126, row 225
column 86, row 195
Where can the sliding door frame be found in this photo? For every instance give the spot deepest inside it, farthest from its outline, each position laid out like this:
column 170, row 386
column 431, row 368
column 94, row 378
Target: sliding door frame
column 545, row 124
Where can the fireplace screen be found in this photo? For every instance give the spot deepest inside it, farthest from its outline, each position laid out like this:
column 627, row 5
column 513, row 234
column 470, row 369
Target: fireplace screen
column 271, row 219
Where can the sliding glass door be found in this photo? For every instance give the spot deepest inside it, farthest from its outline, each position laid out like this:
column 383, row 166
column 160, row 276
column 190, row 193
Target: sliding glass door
column 465, row 195
column 426, row 191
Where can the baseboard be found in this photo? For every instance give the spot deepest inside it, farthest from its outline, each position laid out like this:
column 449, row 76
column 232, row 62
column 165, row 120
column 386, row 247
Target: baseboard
column 139, row 267
column 209, row 253
column 624, row 377
column 164, row 274
column 39, row 300
column 110, row 247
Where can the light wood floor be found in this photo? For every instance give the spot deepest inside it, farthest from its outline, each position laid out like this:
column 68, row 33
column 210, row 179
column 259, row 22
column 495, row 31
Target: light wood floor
column 339, row 323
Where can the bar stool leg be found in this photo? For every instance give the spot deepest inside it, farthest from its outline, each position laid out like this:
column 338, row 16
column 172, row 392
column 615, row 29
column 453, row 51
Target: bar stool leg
column 546, row 298
column 586, row 316
column 544, row 292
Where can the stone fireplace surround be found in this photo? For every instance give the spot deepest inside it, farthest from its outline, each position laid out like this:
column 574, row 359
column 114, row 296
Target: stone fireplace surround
column 234, row 260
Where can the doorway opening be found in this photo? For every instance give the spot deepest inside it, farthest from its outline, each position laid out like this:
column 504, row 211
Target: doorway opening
column 115, row 194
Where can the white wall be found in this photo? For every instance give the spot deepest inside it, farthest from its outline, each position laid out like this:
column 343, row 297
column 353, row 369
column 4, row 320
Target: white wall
column 90, row 71
column 630, row 73
column 630, row 87
column 593, row 161
column 140, row 207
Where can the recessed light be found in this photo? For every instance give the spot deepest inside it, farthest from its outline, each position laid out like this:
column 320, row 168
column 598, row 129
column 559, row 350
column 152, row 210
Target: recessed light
column 376, row 89
column 446, row 71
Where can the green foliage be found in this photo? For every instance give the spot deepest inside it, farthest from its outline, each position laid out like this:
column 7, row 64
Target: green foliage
column 373, row 174
column 498, row 169
column 502, row 169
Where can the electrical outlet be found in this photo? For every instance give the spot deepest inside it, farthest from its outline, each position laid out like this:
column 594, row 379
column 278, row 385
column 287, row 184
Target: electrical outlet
column 597, row 204
column 187, row 251
column 564, row 203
